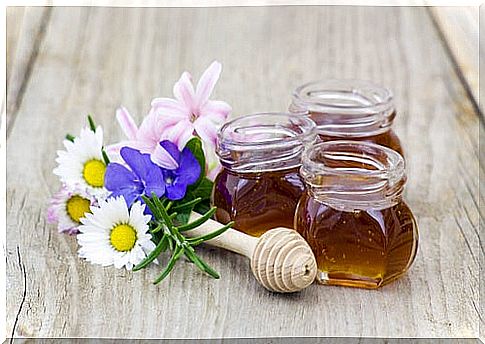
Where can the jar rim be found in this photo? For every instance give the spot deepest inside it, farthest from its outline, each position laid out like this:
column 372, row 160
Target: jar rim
column 228, row 133
column 368, row 97
column 392, row 167
column 264, row 141
column 354, row 174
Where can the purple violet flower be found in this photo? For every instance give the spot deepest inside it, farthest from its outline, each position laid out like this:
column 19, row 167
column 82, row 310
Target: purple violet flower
column 187, row 172
column 143, row 177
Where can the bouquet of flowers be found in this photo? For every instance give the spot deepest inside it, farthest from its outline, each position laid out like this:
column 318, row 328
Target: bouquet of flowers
column 128, row 202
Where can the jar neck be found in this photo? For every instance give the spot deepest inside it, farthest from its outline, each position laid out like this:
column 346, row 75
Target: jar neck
column 345, row 108
column 264, row 142
column 354, row 175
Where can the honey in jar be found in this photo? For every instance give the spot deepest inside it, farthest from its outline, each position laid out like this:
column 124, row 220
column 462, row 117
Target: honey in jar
column 349, row 110
column 353, row 216
column 259, row 184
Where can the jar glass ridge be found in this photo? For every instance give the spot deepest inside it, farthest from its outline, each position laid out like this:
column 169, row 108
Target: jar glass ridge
column 352, row 214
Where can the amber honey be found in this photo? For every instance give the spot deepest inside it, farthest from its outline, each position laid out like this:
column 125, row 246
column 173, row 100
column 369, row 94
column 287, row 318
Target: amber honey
column 360, row 248
column 257, row 201
column 259, row 185
column 352, row 213
column 387, row 138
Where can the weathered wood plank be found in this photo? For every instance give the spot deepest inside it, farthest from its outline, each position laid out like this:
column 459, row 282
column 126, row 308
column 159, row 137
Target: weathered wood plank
column 459, row 27
column 25, row 31
column 93, row 59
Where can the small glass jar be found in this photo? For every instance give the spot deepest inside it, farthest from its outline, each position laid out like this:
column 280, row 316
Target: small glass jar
column 349, row 110
column 259, row 184
column 353, row 216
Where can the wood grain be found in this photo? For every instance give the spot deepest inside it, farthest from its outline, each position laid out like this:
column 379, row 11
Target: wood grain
column 459, row 27
column 94, row 59
column 25, row 33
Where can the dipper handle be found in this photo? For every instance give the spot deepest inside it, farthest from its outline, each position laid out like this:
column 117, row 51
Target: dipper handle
column 231, row 239
column 281, row 260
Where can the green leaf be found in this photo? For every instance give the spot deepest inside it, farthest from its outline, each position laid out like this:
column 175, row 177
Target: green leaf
column 70, row 137
column 203, row 190
column 199, row 262
column 198, row 222
column 211, row 235
column 171, row 263
column 92, row 125
column 195, row 146
column 186, row 205
column 153, row 255
column 105, row 157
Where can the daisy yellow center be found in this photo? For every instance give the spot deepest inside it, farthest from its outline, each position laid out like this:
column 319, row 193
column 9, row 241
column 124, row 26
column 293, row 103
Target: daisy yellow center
column 77, row 206
column 93, row 173
column 123, row 237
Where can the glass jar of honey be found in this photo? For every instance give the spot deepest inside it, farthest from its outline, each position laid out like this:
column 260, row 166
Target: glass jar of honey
column 349, row 110
column 353, row 216
column 259, row 184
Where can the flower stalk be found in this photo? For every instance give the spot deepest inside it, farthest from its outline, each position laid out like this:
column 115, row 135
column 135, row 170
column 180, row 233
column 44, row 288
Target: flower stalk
column 172, row 237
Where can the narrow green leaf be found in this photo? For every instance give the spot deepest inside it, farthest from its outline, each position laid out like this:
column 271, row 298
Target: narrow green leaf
column 152, row 255
column 152, row 207
column 211, row 235
column 198, row 222
column 162, row 211
column 200, row 263
column 171, row 263
column 105, row 157
column 70, row 137
column 190, row 204
column 92, row 125
column 157, row 229
column 168, row 206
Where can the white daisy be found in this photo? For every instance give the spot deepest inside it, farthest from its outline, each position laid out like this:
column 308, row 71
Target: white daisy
column 67, row 207
column 82, row 164
column 114, row 235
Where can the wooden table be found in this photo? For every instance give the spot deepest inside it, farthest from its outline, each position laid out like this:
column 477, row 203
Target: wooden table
column 66, row 62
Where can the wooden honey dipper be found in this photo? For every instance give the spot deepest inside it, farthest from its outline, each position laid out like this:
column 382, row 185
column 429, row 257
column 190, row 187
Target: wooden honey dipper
column 281, row 260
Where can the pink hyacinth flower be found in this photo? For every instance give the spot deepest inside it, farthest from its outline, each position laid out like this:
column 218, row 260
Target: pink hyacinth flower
column 192, row 113
column 145, row 138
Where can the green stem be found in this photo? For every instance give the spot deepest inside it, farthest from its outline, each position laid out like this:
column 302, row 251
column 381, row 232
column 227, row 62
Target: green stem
column 70, row 137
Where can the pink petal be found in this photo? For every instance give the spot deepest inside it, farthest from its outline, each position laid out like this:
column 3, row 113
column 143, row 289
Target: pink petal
column 206, row 130
column 151, row 130
column 183, row 90
column 171, row 107
column 216, row 110
column 207, row 81
column 179, row 133
column 163, row 158
column 126, row 122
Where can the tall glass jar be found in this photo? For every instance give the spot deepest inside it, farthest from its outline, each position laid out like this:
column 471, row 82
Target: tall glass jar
column 353, row 216
column 349, row 110
column 259, row 185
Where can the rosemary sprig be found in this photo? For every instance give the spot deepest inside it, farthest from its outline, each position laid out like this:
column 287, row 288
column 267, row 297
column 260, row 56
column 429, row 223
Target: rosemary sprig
column 164, row 212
